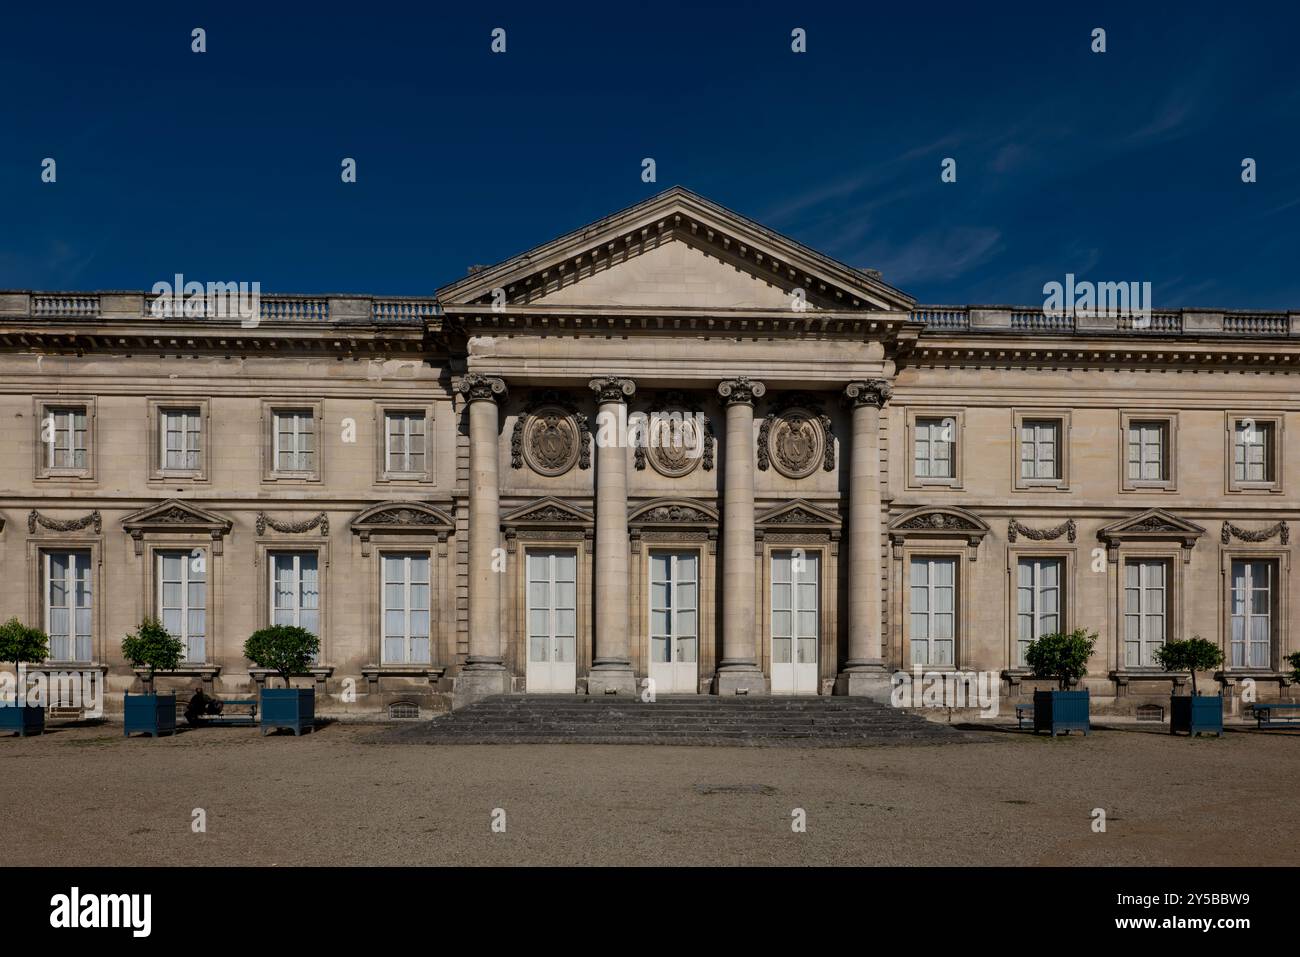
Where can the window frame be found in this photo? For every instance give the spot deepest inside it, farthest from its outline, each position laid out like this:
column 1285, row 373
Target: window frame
column 158, row 408
column 273, row 544
column 1065, row 600
column 45, row 405
column 1170, row 632
column 673, row 582
column 156, row 553
column 959, row 585
column 914, row 417
column 385, row 475
column 44, row 553
column 429, row 556
column 1061, row 417
column 271, row 412
column 1276, row 421
column 1169, row 421
column 1279, row 643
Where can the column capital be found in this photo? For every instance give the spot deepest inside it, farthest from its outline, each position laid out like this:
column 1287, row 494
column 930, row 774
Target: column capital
column 475, row 386
column 741, row 389
column 874, row 392
column 613, row 388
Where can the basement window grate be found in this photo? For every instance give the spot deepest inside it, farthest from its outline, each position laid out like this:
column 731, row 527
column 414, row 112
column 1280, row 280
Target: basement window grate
column 403, row 711
column 1150, row 712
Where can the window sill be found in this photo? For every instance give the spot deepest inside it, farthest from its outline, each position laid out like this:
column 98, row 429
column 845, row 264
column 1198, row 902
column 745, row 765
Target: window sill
column 316, row 672
column 372, row 673
column 1123, row 676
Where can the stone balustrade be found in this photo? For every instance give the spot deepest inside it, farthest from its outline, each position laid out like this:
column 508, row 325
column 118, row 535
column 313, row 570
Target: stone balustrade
column 415, row 310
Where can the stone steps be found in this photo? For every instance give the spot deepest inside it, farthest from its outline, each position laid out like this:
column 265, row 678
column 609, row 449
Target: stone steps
column 684, row 719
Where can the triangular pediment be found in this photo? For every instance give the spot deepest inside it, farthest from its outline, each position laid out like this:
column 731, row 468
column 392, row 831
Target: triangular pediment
column 678, row 251
column 798, row 512
column 1153, row 523
column 547, row 511
column 175, row 514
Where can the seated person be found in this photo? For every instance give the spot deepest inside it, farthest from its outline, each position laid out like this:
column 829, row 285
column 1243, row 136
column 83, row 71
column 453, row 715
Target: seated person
column 200, row 705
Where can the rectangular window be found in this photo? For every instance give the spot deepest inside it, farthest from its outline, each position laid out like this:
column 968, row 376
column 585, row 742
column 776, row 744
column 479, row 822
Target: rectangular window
column 674, row 601
column 295, row 441
column 69, row 603
column 295, row 590
column 183, row 600
column 934, row 446
column 1253, row 451
column 180, row 435
column 1146, row 610
column 404, row 442
column 1148, row 451
column 1040, row 448
column 1038, row 609
column 1252, row 613
column 65, row 436
column 406, row 608
column 933, row 588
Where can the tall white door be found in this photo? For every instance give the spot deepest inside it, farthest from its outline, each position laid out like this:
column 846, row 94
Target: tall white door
column 552, row 620
column 674, row 621
column 795, row 621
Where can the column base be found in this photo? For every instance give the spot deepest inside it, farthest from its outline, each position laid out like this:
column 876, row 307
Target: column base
column 740, row 679
column 869, row 682
column 617, row 678
column 473, row 684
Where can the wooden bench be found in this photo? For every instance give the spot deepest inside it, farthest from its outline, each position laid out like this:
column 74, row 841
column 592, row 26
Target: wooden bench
column 1024, row 712
column 225, row 718
column 1266, row 713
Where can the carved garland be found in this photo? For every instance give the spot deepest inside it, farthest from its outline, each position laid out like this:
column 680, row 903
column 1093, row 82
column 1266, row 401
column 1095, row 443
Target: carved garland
column 35, row 518
column 320, row 521
column 1067, row 528
column 1280, row 529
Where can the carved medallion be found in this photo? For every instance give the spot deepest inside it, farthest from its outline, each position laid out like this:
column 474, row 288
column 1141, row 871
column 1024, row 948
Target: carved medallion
column 796, row 443
column 675, row 442
column 551, row 441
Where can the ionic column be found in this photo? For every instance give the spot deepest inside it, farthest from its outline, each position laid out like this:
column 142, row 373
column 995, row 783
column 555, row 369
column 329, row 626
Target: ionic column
column 864, row 671
column 611, row 666
column 739, row 670
column 484, row 671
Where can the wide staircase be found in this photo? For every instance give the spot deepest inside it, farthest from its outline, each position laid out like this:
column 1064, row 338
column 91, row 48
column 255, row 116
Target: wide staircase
column 678, row 719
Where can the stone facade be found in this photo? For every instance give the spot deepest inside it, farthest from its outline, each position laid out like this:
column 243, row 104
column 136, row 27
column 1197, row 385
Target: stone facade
column 672, row 444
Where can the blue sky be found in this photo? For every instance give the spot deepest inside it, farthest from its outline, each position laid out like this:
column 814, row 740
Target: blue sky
column 224, row 166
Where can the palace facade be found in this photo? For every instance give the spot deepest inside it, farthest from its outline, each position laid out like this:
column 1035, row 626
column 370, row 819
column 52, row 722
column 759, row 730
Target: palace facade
column 672, row 445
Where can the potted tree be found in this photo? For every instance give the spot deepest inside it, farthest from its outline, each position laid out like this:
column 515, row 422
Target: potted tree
column 151, row 647
column 1063, row 658
column 1192, row 713
column 21, row 644
column 287, row 650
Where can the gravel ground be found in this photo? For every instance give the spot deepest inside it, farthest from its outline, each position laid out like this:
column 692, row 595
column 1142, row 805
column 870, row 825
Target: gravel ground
column 86, row 796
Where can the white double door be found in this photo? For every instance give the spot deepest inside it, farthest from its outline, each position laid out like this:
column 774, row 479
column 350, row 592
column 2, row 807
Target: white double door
column 552, row 620
column 796, row 614
column 675, row 621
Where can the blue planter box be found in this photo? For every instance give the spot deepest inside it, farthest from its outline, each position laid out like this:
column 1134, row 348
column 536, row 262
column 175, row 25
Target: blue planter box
column 1196, row 715
column 1061, row 712
column 151, row 714
column 22, row 721
column 289, row 708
